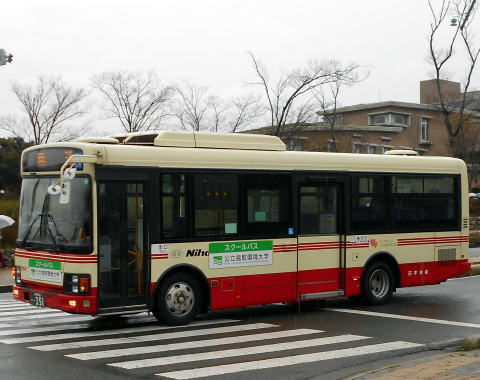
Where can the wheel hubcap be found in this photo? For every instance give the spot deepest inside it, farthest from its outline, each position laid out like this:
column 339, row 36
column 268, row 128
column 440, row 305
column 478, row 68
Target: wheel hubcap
column 179, row 299
column 379, row 283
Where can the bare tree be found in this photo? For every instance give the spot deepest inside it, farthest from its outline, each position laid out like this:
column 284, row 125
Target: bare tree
column 291, row 98
column 454, row 109
column 199, row 110
column 138, row 100
column 48, row 106
column 327, row 97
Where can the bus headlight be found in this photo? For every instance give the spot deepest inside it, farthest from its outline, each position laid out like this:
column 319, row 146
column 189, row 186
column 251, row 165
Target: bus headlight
column 76, row 283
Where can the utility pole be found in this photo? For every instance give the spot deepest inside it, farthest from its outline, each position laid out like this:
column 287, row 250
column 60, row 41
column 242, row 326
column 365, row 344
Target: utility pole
column 5, row 57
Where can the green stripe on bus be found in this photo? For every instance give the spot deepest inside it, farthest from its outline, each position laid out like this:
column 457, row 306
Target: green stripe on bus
column 44, row 264
column 241, row 246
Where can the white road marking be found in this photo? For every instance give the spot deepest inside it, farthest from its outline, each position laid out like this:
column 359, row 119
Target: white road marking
column 33, row 330
column 85, row 334
column 154, row 337
column 406, row 317
column 54, row 321
column 190, row 345
column 236, row 352
column 287, row 361
column 21, row 313
column 11, row 302
column 16, row 307
column 52, row 314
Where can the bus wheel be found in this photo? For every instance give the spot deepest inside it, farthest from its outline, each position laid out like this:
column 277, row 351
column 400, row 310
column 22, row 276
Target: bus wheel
column 178, row 299
column 377, row 284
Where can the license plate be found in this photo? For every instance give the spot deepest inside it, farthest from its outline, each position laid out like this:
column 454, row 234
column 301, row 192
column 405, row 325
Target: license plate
column 38, row 299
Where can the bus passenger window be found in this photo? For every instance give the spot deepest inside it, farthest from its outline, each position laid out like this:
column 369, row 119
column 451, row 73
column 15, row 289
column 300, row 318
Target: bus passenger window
column 268, row 204
column 216, row 205
column 318, row 210
column 173, row 206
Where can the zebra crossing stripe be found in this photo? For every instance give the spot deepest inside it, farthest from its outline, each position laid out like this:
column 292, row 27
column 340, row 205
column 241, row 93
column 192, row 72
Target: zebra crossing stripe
column 154, row 337
column 64, row 318
column 237, row 352
column 10, row 302
column 191, row 345
column 20, row 313
column 42, row 329
column 37, row 316
column 287, row 361
column 16, row 307
column 86, row 334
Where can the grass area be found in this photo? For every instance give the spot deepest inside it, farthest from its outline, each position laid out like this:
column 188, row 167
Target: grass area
column 470, row 343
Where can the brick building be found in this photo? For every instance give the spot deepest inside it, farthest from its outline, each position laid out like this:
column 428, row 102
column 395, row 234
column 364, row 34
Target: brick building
column 378, row 127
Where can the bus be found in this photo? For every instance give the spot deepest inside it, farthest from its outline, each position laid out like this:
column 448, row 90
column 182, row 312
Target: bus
column 180, row 223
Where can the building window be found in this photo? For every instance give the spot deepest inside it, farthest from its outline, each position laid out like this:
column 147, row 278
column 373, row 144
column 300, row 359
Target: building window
column 331, row 145
column 296, row 144
column 386, row 148
column 390, row 118
column 424, row 126
column 372, row 149
column 357, row 148
column 333, row 120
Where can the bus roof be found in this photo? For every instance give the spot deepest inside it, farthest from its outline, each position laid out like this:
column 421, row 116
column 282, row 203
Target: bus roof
column 245, row 151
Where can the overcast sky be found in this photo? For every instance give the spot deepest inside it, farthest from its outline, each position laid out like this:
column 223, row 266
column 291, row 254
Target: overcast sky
column 207, row 42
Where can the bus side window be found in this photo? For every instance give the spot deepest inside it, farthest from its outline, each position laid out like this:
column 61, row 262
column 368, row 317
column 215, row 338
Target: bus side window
column 216, row 204
column 173, row 206
column 268, row 204
column 318, row 210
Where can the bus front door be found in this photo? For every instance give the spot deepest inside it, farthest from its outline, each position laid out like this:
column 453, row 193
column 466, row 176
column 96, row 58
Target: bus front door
column 319, row 239
column 121, row 245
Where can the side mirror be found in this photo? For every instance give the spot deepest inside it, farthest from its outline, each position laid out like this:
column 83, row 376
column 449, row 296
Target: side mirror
column 69, row 174
column 54, row 190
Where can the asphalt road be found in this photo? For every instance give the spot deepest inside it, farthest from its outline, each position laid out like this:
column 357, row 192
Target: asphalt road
column 320, row 340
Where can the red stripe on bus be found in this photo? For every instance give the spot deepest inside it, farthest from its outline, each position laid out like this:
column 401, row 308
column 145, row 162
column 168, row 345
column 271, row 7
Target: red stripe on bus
column 62, row 260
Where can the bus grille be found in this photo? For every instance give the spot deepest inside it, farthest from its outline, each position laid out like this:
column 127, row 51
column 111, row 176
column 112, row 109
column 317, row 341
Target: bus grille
column 448, row 255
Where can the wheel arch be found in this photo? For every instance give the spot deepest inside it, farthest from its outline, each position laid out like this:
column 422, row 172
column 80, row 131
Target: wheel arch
column 390, row 260
column 193, row 271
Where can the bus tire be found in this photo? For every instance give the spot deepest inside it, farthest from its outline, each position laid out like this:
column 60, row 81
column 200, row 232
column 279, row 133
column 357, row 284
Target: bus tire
column 377, row 284
column 178, row 299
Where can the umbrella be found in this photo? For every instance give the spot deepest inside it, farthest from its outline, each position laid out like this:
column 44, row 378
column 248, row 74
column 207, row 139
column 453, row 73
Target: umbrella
column 5, row 221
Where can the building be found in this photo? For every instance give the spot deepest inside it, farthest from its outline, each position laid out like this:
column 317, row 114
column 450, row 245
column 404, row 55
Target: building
column 375, row 128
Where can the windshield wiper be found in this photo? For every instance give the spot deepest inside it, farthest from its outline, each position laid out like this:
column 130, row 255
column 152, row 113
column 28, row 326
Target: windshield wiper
column 44, row 226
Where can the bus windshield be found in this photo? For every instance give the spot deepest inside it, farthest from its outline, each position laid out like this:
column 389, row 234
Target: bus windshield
column 46, row 224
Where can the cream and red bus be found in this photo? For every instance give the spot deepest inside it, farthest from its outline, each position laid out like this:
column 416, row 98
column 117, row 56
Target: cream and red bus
column 182, row 223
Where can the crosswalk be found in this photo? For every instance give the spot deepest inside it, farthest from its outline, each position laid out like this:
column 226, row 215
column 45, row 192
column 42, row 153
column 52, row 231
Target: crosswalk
column 140, row 346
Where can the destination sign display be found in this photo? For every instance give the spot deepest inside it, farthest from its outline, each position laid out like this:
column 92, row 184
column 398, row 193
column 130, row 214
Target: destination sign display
column 49, row 159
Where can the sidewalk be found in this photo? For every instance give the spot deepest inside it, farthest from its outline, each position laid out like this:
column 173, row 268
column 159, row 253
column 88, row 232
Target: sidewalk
column 461, row 365
column 6, row 280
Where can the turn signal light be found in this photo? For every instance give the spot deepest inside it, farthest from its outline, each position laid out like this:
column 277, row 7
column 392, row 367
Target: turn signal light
column 84, row 284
